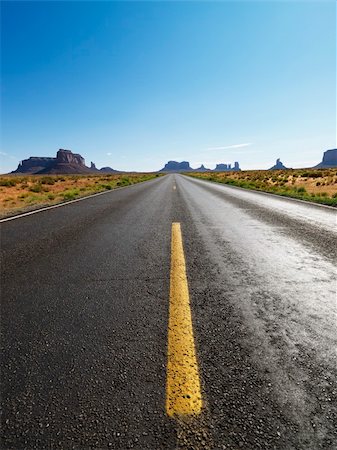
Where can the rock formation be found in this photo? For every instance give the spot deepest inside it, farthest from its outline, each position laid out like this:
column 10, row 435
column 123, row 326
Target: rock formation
column 222, row 167
column 278, row 166
column 65, row 162
column 68, row 157
column 227, row 167
column 202, row 168
column 34, row 164
column 174, row 166
column 329, row 159
column 109, row 170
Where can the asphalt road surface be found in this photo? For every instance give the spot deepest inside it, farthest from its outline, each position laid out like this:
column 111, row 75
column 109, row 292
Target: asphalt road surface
column 85, row 305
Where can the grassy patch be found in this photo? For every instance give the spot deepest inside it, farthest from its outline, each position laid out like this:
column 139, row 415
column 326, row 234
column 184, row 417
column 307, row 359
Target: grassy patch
column 47, row 180
column 70, row 194
column 7, row 182
column 35, row 188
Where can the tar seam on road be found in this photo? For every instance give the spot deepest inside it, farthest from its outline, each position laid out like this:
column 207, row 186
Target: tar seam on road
column 183, row 391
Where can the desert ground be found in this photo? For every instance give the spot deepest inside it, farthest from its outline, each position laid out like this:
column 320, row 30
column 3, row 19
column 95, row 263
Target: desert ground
column 20, row 193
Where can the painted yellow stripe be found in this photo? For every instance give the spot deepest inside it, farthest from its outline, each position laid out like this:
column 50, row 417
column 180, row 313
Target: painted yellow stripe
column 183, row 393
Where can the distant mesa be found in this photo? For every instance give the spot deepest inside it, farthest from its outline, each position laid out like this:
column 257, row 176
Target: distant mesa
column 227, row 167
column 329, row 159
column 278, row 166
column 184, row 166
column 202, row 168
column 109, row 170
column 174, row 166
column 93, row 168
column 221, row 167
column 66, row 162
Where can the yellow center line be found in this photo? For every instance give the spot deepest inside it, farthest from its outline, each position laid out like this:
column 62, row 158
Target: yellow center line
column 183, row 392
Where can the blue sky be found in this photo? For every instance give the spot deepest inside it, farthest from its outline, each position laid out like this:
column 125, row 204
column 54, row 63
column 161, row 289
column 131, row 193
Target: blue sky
column 134, row 84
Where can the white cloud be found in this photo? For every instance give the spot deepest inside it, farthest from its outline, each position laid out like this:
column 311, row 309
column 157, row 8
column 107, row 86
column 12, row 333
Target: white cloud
column 109, row 154
column 247, row 144
column 8, row 156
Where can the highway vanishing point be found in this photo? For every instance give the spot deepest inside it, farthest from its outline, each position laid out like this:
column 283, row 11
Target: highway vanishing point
column 172, row 314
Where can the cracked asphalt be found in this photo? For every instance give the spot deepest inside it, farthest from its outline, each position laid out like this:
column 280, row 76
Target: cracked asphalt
column 84, row 316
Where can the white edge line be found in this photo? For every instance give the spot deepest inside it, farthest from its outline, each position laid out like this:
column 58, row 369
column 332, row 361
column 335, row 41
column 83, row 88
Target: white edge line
column 70, row 201
column 284, row 197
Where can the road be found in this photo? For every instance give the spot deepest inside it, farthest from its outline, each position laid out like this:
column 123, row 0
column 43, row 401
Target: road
column 85, row 311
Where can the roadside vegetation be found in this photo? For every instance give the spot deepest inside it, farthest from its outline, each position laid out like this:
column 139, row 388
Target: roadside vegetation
column 314, row 185
column 23, row 193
